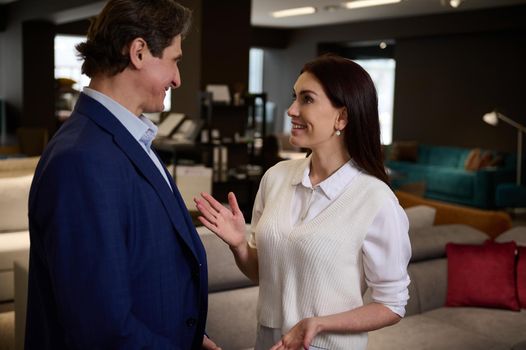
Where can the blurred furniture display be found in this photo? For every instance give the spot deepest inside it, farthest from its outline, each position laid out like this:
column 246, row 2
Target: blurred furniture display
column 191, row 181
column 32, row 141
column 15, row 180
column 65, row 98
column 453, row 174
column 511, row 195
column 491, row 222
column 429, row 323
column 239, row 127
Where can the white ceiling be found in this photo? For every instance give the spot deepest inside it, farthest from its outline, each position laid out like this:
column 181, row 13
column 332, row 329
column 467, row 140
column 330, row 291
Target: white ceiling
column 261, row 10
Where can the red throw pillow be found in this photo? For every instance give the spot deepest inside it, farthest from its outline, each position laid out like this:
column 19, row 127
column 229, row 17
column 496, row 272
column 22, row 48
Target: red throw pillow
column 482, row 275
column 521, row 277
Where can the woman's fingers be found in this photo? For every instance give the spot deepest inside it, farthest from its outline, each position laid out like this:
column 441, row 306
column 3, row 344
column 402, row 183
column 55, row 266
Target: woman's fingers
column 277, row 346
column 206, row 211
column 213, row 202
column 232, row 201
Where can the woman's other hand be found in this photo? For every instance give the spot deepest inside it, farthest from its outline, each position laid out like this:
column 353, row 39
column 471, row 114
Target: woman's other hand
column 300, row 336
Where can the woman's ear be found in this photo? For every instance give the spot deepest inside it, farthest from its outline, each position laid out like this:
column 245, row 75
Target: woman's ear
column 137, row 52
column 342, row 120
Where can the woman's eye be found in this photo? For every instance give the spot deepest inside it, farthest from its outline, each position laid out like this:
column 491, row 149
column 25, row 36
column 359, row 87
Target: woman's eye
column 307, row 99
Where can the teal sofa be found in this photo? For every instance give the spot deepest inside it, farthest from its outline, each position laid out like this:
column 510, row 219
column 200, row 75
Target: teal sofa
column 442, row 170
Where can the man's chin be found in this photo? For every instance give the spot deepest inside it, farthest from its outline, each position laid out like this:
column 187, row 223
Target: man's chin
column 154, row 110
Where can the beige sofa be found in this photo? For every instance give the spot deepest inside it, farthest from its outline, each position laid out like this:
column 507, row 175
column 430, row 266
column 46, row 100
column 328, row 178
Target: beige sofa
column 15, row 180
column 428, row 324
column 431, row 326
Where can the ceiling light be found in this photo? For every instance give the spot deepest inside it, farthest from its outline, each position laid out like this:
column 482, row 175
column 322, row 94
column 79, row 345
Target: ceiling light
column 293, row 12
column 452, row 3
column 368, row 3
column 383, row 45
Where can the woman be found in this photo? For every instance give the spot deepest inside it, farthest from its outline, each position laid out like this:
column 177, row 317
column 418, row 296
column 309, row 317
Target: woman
column 326, row 226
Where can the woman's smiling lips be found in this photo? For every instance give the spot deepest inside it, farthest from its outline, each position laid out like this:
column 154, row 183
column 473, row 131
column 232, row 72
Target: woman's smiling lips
column 298, row 126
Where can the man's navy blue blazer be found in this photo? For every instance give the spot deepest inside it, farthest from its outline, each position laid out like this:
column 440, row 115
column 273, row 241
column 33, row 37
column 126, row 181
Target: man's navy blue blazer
column 115, row 261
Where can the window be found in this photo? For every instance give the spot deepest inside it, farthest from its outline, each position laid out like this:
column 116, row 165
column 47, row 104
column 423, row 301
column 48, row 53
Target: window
column 69, row 65
column 255, row 74
column 382, row 72
column 377, row 58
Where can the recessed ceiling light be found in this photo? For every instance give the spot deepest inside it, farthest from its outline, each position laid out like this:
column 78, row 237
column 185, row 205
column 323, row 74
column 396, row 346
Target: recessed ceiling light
column 452, row 3
column 293, row 12
column 455, row 3
column 383, row 45
column 368, row 3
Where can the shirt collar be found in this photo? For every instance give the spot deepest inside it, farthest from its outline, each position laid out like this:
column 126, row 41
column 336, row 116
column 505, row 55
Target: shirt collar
column 331, row 186
column 141, row 128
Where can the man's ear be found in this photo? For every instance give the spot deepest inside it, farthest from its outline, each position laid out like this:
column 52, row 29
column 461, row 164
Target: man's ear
column 138, row 50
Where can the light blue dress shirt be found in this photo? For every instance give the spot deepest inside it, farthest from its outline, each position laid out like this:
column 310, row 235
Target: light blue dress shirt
column 141, row 128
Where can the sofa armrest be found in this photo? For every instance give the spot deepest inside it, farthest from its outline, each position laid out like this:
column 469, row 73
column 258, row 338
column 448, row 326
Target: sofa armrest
column 223, row 273
column 490, row 222
column 486, row 181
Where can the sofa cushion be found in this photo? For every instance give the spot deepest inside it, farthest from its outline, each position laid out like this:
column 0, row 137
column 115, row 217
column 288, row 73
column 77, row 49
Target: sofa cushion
column 501, row 325
column 13, row 167
column 13, row 246
column 223, row 272
column 482, row 275
column 447, row 156
column 430, row 242
column 521, row 277
column 422, row 332
column 517, row 234
column 404, row 151
column 14, row 195
column 450, row 181
column 428, row 287
column 232, row 321
column 473, row 160
column 420, row 216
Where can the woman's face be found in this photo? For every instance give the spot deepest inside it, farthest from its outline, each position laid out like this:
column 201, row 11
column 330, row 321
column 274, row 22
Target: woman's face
column 314, row 119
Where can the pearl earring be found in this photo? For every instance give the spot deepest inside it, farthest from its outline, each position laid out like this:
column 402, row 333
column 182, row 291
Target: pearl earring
column 338, row 132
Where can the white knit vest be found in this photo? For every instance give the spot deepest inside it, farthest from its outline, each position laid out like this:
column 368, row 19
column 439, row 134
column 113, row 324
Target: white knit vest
column 315, row 268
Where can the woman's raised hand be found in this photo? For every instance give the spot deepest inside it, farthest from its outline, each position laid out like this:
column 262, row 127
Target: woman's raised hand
column 228, row 224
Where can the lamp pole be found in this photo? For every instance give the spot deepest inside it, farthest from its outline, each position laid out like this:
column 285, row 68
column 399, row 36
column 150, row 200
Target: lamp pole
column 492, row 119
column 520, row 130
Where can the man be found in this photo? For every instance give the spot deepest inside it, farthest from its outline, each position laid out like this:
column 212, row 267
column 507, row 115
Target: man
column 115, row 262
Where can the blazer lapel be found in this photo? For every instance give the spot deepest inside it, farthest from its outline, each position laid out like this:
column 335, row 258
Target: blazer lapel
column 125, row 141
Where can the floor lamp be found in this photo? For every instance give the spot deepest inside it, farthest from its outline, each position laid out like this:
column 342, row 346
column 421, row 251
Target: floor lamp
column 492, row 118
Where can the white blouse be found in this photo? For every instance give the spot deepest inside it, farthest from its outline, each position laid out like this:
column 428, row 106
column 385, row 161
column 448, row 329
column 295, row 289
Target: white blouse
column 386, row 248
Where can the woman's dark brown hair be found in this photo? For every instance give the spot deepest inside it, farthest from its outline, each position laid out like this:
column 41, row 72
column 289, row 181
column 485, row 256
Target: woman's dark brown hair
column 122, row 21
column 348, row 85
